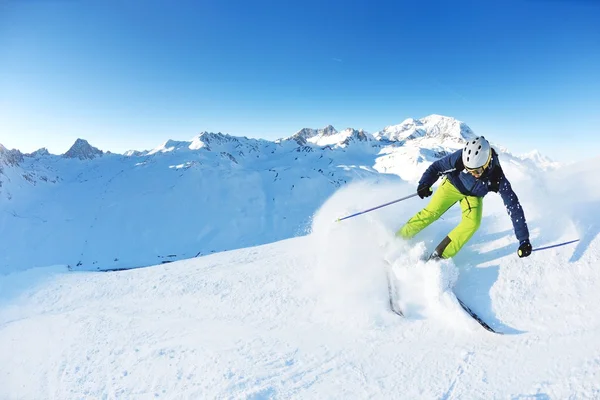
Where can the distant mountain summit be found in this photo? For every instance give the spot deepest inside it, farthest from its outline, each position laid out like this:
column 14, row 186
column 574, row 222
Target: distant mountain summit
column 10, row 157
column 353, row 135
column 441, row 128
column 303, row 136
column 329, row 136
column 434, row 130
column 539, row 160
column 82, row 150
column 39, row 153
column 211, row 142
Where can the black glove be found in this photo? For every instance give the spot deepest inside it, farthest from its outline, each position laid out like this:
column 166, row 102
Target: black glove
column 424, row 191
column 524, row 248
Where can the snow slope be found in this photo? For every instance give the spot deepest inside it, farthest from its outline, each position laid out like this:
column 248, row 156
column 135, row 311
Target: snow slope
column 307, row 317
column 175, row 202
column 95, row 210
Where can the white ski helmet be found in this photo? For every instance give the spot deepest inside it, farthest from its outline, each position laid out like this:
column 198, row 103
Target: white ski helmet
column 477, row 153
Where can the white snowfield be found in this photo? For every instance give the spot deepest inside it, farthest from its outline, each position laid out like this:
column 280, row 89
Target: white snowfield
column 308, row 317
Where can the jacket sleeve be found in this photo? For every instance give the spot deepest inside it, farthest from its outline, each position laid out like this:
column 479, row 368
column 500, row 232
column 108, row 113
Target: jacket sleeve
column 514, row 209
column 440, row 167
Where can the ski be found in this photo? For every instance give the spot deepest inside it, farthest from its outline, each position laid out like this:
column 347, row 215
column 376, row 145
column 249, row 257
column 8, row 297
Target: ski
column 392, row 291
column 435, row 257
column 393, row 295
column 476, row 317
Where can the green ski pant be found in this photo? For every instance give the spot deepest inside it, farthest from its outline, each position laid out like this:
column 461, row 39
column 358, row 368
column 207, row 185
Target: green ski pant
column 445, row 197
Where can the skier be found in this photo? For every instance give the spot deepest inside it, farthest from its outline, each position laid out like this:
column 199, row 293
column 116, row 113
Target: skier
column 470, row 174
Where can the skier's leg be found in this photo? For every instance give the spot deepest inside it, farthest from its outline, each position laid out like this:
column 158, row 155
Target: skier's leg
column 472, row 210
column 442, row 199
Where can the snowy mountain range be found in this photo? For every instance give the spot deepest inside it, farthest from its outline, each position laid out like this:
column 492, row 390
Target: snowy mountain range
column 91, row 209
column 306, row 317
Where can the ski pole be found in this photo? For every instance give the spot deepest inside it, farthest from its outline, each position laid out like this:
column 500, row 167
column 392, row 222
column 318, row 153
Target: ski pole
column 555, row 245
column 375, row 208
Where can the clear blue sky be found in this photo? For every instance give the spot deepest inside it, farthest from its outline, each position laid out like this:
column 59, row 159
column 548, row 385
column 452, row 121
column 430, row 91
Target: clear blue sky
column 132, row 74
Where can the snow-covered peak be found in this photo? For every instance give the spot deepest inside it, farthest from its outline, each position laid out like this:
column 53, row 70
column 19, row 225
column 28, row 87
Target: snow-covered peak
column 329, row 130
column 214, row 142
column 133, row 153
column 353, row 135
column 83, row 150
column 208, row 139
column 10, row 157
column 439, row 127
column 540, row 160
column 39, row 153
column 197, row 143
column 343, row 138
column 305, row 135
column 170, row 145
column 329, row 136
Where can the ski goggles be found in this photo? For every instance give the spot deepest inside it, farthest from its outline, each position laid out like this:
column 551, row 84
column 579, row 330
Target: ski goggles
column 480, row 170
column 476, row 171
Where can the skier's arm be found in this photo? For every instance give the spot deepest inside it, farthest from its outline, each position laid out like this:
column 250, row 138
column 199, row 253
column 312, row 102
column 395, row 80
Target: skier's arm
column 514, row 209
column 439, row 167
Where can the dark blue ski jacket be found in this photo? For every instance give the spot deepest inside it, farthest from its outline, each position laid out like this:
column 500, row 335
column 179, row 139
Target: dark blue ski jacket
column 492, row 180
